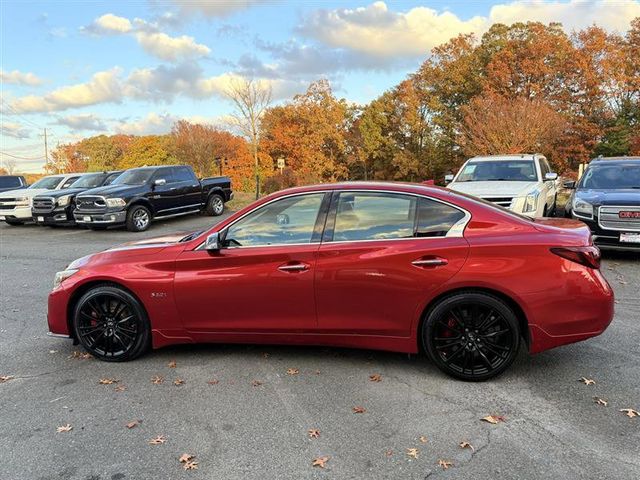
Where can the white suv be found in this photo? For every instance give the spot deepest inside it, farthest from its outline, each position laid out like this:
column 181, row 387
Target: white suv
column 15, row 205
column 523, row 183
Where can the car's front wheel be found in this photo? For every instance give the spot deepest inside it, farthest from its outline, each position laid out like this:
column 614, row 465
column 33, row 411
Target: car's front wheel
column 138, row 218
column 111, row 324
column 472, row 336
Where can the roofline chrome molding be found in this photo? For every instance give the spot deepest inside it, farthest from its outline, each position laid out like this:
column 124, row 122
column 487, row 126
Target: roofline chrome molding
column 456, row 231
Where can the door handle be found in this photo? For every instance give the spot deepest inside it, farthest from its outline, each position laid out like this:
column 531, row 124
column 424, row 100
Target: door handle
column 430, row 262
column 293, row 267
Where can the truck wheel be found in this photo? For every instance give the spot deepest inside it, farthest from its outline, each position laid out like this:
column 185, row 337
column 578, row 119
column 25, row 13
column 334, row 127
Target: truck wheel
column 14, row 223
column 215, row 205
column 138, row 218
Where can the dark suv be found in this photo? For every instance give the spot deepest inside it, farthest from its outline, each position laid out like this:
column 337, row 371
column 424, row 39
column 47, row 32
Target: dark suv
column 607, row 198
column 12, row 182
column 56, row 207
column 141, row 195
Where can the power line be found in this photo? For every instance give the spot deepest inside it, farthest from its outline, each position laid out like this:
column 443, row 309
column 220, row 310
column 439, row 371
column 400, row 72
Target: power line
column 21, row 115
column 20, row 158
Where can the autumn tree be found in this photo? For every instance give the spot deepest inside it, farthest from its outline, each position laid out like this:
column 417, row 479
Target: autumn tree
column 149, row 150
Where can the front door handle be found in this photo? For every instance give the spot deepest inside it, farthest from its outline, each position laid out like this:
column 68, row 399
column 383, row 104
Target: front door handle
column 293, row 267
column 430, row 262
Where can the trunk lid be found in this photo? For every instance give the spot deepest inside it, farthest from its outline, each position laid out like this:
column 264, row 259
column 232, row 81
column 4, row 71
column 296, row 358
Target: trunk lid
column 565, row 226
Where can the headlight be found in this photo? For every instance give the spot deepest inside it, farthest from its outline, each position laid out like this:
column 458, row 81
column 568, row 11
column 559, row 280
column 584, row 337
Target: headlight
column 530, row 202
column 115, row 202
column 62, row 276
column 22, row 202
column 582, row 208
column 64, row 200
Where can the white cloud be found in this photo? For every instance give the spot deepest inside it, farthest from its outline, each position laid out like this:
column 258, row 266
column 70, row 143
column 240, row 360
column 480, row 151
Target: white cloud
column 15, row 130
column 160, row 123
column 83, row 121
column 216, row 8
column 19, row 78
column 109, row 24
column 375, row 30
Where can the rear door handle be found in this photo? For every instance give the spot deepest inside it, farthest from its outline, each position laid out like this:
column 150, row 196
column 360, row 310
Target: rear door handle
column 293, row 267
column 430, row 262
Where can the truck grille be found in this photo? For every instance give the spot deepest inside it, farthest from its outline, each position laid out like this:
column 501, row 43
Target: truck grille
column 43, row 204
column 622, row 219
column 502, row 201
column 7, row 203
column 90, row 203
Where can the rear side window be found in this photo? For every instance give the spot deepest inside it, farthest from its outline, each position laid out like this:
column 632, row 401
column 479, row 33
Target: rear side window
column 183, row 174
column 435, row 219
column 69, row 182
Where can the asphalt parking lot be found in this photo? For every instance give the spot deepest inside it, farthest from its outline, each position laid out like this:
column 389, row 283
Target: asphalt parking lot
column 244, row 417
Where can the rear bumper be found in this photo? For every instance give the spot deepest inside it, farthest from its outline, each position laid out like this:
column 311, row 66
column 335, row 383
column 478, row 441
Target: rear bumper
column 101, row 218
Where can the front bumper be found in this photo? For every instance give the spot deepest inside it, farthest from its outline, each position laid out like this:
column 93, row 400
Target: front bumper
column 607, row 239
column 53, row 217
column 17, row 213
column 101, row 218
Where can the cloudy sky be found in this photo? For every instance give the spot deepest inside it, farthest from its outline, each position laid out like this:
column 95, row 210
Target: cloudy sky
column 80, row 68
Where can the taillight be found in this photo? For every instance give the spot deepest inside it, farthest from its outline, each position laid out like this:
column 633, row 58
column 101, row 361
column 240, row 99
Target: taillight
column 587, row 256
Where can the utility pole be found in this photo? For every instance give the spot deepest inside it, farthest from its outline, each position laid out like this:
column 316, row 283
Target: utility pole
column 46, row 151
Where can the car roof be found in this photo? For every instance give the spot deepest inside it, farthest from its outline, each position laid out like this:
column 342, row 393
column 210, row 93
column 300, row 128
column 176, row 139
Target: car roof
column 366, row 185
column 615, row 159
column 517, row 156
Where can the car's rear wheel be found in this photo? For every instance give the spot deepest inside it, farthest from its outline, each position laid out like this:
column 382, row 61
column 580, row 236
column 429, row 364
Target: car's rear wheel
column 215, row 205
column 472, row 336
column 111, row 324
column 138, row 218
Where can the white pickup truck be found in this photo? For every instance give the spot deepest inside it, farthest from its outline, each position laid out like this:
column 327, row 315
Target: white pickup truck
column 15, row 205
column 523, row 183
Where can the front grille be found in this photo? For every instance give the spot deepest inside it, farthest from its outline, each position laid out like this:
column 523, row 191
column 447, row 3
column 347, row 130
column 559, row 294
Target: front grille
column 90, row 203
column 7, row 203
column 502, row 201
column 609, row 218
column 43, row 204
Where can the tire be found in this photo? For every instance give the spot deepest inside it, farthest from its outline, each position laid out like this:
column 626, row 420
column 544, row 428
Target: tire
column 471, row 336
column 215, row 205
column 14, row 223
column 138, row 218
column 111, row 324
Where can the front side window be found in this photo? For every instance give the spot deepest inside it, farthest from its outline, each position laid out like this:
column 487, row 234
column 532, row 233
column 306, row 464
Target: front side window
column 136, row 176
column 289, row 220
column 69, row 182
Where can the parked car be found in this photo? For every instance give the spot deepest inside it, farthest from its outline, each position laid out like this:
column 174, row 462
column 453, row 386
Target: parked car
column 399, row 267
column 607, row 198
column 12, row 182
column 522, row 183
column 141, row 195
column 56, row 207
column 15, row 205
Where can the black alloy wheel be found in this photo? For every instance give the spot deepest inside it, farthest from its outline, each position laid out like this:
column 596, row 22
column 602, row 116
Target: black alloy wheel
column 111, row 324
column 471, row 336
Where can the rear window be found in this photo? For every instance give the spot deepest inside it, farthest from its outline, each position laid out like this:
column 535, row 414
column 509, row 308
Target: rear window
column 8, row 182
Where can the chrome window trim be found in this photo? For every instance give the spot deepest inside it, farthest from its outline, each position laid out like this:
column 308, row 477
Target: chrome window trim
column 629, row 207
column 456, row 231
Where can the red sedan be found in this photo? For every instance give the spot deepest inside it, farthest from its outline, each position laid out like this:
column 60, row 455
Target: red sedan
column 400, row 267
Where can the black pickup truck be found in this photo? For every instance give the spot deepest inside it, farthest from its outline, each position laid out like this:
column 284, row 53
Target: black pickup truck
column 141, row 195
column 56, row 207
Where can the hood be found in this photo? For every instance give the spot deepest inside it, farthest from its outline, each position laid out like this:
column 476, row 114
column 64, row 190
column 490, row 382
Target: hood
column 115, row 190
column 148, row 246
column 627, row 197
column 494, row 189
column 24, row 192
column 62, row 193
column 11, row 189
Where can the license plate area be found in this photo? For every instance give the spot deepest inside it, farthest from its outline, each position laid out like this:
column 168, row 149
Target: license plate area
column 86, row 218
column 630, row 237
column 41, row 219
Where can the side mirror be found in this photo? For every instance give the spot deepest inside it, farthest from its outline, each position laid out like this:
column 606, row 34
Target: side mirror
column 282, row 219
column 212, row 243
column 570, row 184
column 160, row 181
column 448, row 178
column 550, row 176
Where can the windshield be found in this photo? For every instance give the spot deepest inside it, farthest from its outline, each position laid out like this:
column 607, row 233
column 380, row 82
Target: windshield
column 609, row 177
column 90, row 181
column 505, row 170
column 48, row 183
column 134, row 177
column 8, row 182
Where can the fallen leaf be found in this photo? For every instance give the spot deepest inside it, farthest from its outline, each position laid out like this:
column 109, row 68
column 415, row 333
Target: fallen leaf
column 132, row 424
column 587, row 381
column 320, row 461
column 623, row 282
column 256, row 383
column 313, row 433
column 412, row 452
column 172, row 364
column 80, row 355
column 445, row 464
column 157, row 380
column 191, row 465
column 376, row 377
column 107, row 381
column 293, row 371
column 600, row 401
column 423, row 439
column 493, row 419
column 317, row 372
column 159, row 440
column 388, row 453
column 186, row 457
column 359, row 409
column 6, row 378
column 120, row 388
column 65, row 428
column 465, row 444
column 266, row 355
column 630, row 412
column 178, row 381
column 213, row 382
